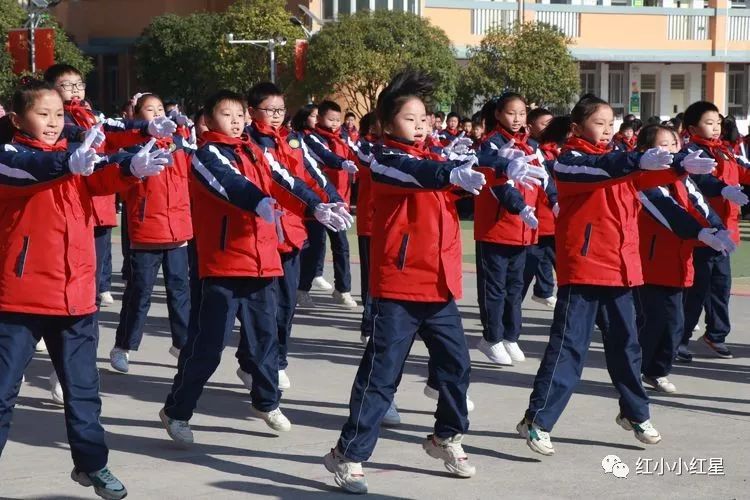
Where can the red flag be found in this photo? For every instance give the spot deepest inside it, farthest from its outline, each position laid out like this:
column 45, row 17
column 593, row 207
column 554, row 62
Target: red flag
column 18, row 48
column 300, row 58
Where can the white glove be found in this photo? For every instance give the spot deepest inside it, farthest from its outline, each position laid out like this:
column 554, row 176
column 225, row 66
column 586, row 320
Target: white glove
column 694, row 164
column 460, row 146
column 83, row 159
column 349, row 166
column 99, row 136
column 509, row 152
column 467, row 179
column 266, row 209
column 556, row 209
column 180, row 119
column 708, row 236
column 340, row 209
column 735, row 195
column 528, row 217
column 146, row 163
column 726, row 238
column 161, row 127
column 656, row 159
column 524, row 173
column 325, row 215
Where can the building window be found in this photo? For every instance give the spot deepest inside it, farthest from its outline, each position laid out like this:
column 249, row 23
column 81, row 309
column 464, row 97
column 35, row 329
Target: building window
column 334, row 8
column 737, row 99
column 588, row 78
column 363, row 5
column 617, row 88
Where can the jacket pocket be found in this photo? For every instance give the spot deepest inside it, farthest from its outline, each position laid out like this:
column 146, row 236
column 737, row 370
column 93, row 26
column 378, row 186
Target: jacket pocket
column 142, row 209
column 21, row 261
column 652, row 248
column 224, row 233
column 586, row 239
column 402, row 252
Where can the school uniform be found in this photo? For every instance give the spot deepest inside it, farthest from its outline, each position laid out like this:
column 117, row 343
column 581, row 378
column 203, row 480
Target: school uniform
column 447, row 135
column 238, row 263
column 48, row 223
column 364, row 228
column 419, row 243
column 623, row 144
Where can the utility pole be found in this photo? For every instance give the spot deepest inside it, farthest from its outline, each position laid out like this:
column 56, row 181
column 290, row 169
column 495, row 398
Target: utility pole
column 270, row 45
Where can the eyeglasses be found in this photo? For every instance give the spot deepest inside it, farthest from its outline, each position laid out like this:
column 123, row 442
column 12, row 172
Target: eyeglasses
column 273, row 112
column 71, row 86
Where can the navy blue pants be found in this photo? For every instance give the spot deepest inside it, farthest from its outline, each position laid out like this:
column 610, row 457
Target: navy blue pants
column 253, row 300
column 71, row 342
column 364, row 273
column 500, row 289
column 136, row 301
column 565, row 355
column 711, row 289
column 540, row 264
column 286, row 293
column 395, row 324
column 103, row 245
column 314, row 253
column 124, row 243
column 661, row 323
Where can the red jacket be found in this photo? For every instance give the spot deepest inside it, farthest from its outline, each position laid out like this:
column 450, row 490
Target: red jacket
column 331, row 150
column 48, row 262
column 364, row 187
column 547, row 197
column 158, row 209
column 416, row 255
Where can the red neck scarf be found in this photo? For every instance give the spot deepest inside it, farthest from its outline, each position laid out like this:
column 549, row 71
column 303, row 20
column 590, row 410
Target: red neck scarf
column 337, row 143
column 521, row 137
column 629, row 143
column 83, row 117
column 583, row 146
column 248, row 154
column 417, row 150
column 284, row 151
column 21, row 138
column 452, row 131
column 550, row 149
column 719, row 149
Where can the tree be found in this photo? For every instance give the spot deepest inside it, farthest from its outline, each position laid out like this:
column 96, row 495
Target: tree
column 357, row 56
column 530, row 58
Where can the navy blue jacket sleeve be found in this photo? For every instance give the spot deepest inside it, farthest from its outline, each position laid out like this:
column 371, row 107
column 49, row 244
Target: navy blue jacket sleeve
column 294, row 185
column 404, row 171
column 701, row 205
column 488, row 155
column 662, row 207
column 20, row 166
column 584, row 168
column 322, row 153
column 313, row 168
column 509, row 197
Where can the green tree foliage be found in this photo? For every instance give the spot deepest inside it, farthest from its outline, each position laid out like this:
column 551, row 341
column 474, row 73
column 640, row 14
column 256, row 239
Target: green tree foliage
column 530, row 58
column 358, row 55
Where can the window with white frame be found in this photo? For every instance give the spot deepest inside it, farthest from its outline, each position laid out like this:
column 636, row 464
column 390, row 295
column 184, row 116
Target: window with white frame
column 737, row 98
column 334, row 8
column 617, row 88
column 588, row 78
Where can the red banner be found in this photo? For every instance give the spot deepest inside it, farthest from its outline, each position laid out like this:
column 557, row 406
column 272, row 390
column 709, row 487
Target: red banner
column 18, row 47
column 300, row 58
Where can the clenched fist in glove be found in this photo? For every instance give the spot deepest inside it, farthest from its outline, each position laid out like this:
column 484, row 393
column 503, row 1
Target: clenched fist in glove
column 349, row 166
column 266, row 209
column 528, row 217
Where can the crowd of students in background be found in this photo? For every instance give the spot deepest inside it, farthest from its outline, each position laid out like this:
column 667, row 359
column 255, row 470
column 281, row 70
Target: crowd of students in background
column 236, row 204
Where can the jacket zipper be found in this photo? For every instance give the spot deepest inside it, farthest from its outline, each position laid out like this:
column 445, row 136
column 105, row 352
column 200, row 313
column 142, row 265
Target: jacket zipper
column 652, row 248
column 586, row 240
column 224, row 231
column 21, row 262
column 402, row 252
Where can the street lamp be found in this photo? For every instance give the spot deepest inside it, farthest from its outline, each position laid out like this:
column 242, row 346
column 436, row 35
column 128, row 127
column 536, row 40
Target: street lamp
column 270, row 45
column 297, row 22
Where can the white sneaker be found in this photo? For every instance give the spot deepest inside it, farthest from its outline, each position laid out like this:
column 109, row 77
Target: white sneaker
column 178, row 430
column 247, row 379
column 105, row 484
column 660, row 384
column 174, row 352
column 391, row 418
column 515, row 352
column 347, row 474
column 549, row 301
column 434, row 394
column 119, row 358
column 304, row 300
column 284, row 382
column 274, row 419
column 537, row 439
column 495, row 352
column 644, row 431
column 56, row 389
column 106, row 299
column 320, row 283
column 697, row 328
column 40, row 346
column 345, row 299
column 452, row 454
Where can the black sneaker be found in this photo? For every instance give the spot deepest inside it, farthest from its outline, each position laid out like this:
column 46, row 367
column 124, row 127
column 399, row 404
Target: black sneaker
column 105, row 484
column 719, row 348
column 683, row 354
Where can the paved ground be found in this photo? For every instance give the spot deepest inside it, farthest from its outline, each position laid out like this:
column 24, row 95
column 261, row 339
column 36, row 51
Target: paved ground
column 237, row 455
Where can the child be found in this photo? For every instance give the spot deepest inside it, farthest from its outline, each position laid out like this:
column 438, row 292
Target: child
column 159, row 227
column 666, row 258
column 349, row 128
column 536, row 121
column 713, row 274
column 451, row 130
column 597, row 264
column 419, row 243
column 46, row 213
column 439, row 119
column 339, row 164
column 625, row 139
column 466, row 126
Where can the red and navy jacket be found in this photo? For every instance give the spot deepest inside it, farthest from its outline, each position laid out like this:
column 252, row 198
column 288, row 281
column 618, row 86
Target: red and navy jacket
column 364, row 186
column 622, row 143
column 730, row 170
column 229, row 177
column 548, row 197
column 597, row 236
column 48, row 261
column 158, row 209
column 669, row 224
column 417, row 254
column 447, row 135
column 331, row 150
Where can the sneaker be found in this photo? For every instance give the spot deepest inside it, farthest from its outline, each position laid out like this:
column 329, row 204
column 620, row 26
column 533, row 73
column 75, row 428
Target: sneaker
column 434, row 394
column 347, row 473
column 644, row 431
column 174, row 352
column 119, row 358
column 495, row 352
column 304, row 300
column 683, row 354
column 536, row 438
column 106, row 299
column 660, row 384
column 452, row 454
column 274, row 419
column 247, row 379
column 284, row 382
column 344, row 299
column 320, row 283
column 719, row 348
column 105, row 484
column 697, row 328
column 549, row 301
column 56, row 389
column 178, row 430
column 391, row 418
column 40, row 346
column 515, row 352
